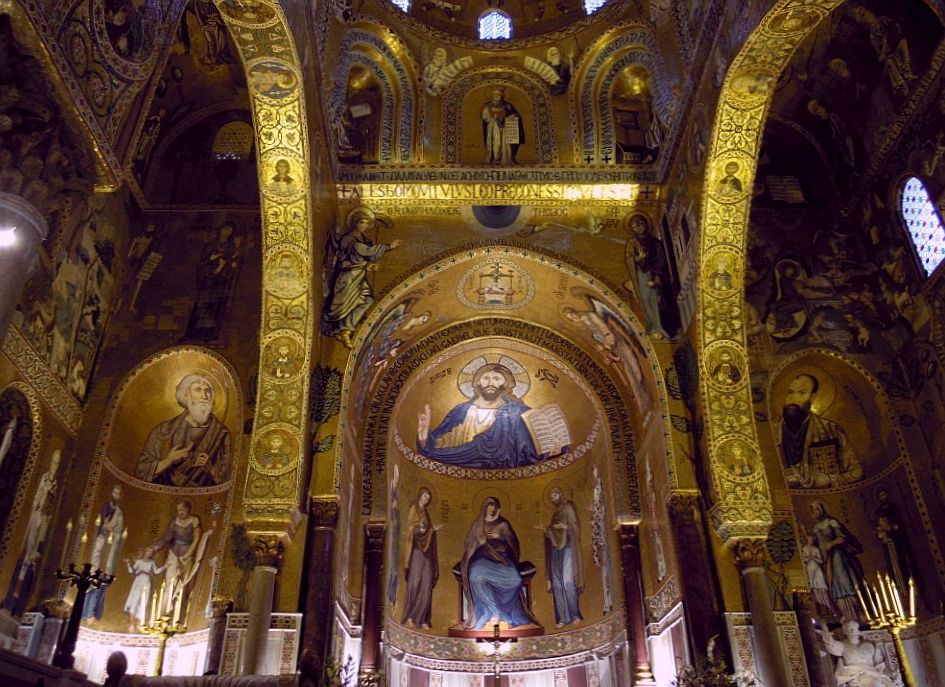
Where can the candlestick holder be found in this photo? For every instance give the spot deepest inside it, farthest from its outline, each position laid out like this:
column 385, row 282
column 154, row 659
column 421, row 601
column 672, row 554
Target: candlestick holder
column 163, row 627
column 497, row 640
column 886, row 611
column 82, row 580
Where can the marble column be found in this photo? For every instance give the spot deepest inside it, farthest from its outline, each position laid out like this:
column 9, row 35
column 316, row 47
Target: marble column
column 22, row 229
column 317, row 579
column 633, row 589
column 372, row 608
column 219, row 607
column 769, row 659
column 819, row 666
column 268, row 553
column 700, row 607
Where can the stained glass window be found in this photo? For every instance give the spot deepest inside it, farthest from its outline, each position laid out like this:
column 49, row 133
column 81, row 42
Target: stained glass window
column 924, row 224
column 495, row 26
column 403, row 4
column 591, row 6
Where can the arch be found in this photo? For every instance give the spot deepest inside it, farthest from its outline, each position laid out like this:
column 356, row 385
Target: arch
column 546, row 148
column 29, row 467
column 743, row 508
column 281, row 134
column 609, row 55
column 368, row 45
column 351, row 441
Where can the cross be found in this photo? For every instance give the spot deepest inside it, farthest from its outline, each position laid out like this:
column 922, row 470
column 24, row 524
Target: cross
column 646, row 192
column 588, row 158
column 606, row 158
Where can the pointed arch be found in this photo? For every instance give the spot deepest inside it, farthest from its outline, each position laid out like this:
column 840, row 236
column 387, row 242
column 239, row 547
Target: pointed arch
column 269, row 56
column 622, row 47
column 377, row 49
column 743, row 508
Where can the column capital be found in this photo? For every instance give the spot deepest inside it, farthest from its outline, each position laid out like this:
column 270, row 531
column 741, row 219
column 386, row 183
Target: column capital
column 374, row 532
column 323, row 510
column 749, row 553
column 220, row 605
column 684, row 505
column 268, row 550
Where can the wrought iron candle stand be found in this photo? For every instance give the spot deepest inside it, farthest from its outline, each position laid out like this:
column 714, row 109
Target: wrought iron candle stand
column 163, row 627
column 885, row 611
column 82, row 580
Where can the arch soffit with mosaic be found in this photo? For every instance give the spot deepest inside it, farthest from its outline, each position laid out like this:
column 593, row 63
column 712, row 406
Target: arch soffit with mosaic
column 542, row 130
column 34, row 32
column 396, row 294
column 279, row 121
column 379, row 49
column 743, row 507
column 632, row 43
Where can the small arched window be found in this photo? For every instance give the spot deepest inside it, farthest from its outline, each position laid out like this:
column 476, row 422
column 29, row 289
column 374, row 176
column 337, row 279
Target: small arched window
column 591, row 6
column 494, row 26
column 924, row 224
column 404, row 5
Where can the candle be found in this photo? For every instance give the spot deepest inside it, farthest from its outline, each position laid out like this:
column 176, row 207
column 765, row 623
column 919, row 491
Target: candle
column 153, row 610
column 161, row 600
column 177, row 606
column 882, row 589
column 863, row 604
column 896, row 597
column 874, row 601
column 911, row 598
column 65, row 544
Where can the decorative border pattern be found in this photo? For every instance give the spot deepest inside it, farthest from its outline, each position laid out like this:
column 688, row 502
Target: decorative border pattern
column 26, row 479
column 281, row 127
column 53, row 392
column 533, row 650
column 743, row 507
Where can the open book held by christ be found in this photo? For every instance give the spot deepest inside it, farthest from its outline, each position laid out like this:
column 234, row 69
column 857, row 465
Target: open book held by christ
column 548, row 429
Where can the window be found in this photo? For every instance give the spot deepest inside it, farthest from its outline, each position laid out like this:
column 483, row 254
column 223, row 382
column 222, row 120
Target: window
column 591, row 6
column 404, row 5
column 495, row 26
column 924, row 225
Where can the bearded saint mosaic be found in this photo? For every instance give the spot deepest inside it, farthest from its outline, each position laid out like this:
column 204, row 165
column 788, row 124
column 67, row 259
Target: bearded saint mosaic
column 191, row 449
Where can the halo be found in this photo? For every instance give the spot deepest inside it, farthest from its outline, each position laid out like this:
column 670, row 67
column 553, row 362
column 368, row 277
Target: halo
column 357, row 213
column 464, row 380
column 475, row 503
column 220, row 391
column 566, row 487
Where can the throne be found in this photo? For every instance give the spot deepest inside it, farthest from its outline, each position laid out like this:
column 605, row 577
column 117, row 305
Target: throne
column 527, row 570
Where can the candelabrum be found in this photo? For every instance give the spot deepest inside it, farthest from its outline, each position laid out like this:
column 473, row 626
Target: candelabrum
column 497, row 641
column 163, row 627
column 82, row 580
column 884, row 609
